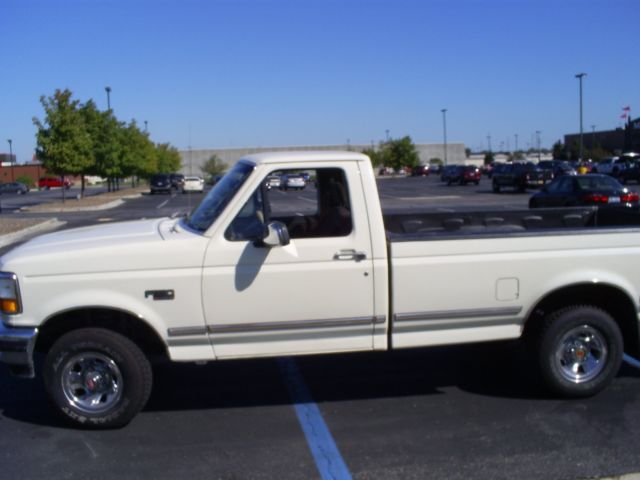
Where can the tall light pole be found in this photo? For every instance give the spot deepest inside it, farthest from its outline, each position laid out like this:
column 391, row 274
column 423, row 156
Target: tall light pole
column 108, row 90
column 387, row 134
column 516, row 135
column 444, row 125
column 11, row 157
column 580, row 76
column 145, row 126
column 538, row 143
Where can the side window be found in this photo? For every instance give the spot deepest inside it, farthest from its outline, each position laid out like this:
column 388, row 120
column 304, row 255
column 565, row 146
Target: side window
column 249, row 223
column 319, row 207
column 311, row 203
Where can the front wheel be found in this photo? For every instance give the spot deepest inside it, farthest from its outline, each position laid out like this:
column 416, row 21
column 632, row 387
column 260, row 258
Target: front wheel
column 97, row 378
column 580, row 351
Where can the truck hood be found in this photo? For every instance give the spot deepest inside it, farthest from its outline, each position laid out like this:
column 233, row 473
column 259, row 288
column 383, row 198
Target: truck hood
column 114, row 247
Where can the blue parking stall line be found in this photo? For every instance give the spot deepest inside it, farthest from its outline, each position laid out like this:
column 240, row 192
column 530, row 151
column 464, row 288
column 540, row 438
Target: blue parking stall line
column 631, row 361
column 329, row 461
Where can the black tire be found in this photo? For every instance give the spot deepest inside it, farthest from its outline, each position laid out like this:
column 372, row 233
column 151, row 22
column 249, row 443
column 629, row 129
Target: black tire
column 107, row 362
column 495, row 187
column 579, row 351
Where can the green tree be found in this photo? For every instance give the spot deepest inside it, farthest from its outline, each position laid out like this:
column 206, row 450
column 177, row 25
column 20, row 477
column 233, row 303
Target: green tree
column 488, row 158
column 138, row 156
column 559, row 151
column 168, row 158
column 63, row 143
column 213, row 166
column 401, row 153
column 106, row 142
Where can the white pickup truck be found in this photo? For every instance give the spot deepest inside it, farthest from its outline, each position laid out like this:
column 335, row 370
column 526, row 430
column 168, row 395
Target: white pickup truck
column 257, row 272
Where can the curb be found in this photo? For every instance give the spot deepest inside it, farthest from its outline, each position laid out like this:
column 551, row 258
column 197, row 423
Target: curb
column 45, row 226
column 63, row 209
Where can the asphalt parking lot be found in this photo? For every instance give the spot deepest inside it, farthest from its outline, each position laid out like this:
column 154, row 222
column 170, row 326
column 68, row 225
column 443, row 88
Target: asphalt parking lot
column 467, row 412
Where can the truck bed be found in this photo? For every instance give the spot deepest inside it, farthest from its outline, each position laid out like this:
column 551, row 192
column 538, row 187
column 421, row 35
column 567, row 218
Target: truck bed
column 499, row 223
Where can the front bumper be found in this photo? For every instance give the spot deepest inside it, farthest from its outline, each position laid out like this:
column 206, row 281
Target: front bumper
column 16, row 349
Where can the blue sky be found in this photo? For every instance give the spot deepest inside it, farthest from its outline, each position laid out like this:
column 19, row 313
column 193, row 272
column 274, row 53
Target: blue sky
column 223, row 73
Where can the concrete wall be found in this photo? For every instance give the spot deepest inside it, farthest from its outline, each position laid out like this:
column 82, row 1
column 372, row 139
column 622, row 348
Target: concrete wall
column 192, row 160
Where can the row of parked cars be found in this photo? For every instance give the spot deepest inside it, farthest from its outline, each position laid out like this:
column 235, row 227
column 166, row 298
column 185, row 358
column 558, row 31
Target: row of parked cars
column 291, row 181
column 169, row 182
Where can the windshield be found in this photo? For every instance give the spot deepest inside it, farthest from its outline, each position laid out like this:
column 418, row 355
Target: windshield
column 219, row 197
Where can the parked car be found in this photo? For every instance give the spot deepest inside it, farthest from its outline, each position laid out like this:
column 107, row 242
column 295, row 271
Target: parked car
column 461, row 174
column 54, row 182
column 420, row 171
column 449, row 173
column 611, row 166
column 177, row 180
column 435, row 168
column 294, row 182
column 160, row 182
column 193, row 184
column 14, row 187
column 557, row 168
column 577, row 190
column 273, row 181
column 630, row 172
column 519, row 176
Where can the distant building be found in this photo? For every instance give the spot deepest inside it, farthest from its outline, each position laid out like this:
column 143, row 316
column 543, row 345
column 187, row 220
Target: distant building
column 192, row 160
column 620, row 140
column 7, row 160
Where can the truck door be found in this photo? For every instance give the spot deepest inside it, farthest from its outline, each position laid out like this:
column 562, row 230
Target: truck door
column 314, row 294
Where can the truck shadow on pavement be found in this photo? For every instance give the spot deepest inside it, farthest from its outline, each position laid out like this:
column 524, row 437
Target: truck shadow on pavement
column 490, row 370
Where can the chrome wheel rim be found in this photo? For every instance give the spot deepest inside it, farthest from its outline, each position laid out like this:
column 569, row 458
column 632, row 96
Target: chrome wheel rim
column 582, row 354
column 91, row 382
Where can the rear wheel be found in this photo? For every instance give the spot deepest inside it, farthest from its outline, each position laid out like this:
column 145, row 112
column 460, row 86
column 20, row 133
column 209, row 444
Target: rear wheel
column 97, row 378
column 579, row 351
column 496, row 187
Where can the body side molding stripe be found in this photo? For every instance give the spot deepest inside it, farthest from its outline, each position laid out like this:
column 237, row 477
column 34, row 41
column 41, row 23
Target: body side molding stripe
column 295, row 325
column 454, row 314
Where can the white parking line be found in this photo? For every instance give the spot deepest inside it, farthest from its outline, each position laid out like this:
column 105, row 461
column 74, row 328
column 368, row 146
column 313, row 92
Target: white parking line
column 329, row 462
column 631, row 361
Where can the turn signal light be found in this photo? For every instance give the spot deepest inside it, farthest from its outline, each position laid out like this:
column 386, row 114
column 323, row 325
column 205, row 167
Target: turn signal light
column 8, row 305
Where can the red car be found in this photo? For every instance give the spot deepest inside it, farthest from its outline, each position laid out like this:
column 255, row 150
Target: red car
column 54, row 182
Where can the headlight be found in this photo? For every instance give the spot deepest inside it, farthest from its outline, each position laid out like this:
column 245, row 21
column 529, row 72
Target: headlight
column 9, row 294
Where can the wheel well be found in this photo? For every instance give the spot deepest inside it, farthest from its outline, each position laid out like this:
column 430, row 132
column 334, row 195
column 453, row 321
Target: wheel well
column 606, row 297
column 118, row 321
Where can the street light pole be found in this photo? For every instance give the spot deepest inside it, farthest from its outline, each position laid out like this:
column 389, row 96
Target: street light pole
column 444, row 125
column 538, row 143
column 580, row 76
column 145, row 126
column 387, row 134
column 11, row 157
column 108, row 90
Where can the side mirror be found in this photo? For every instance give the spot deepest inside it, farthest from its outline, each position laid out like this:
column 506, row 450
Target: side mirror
column 276, row 234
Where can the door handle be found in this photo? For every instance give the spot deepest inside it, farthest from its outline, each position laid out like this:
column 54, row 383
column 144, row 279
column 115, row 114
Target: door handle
column 350, row 255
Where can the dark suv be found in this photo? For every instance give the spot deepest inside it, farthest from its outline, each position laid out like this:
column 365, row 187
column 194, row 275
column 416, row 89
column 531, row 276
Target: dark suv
column 519, row 176
column 177, row 180
column 160, row 182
